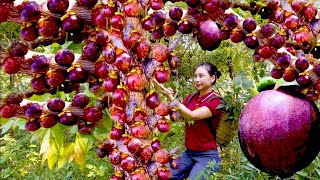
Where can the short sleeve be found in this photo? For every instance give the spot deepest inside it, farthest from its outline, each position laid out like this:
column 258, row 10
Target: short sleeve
column 212, row 105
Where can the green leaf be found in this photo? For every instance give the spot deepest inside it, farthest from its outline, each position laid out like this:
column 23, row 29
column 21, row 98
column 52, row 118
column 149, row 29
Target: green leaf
column 58, row 135
column 76, row 48
column 66, row 44
column 52, row 155
column 45, row 146
column 282, row 82
column 4, row 120
column 7, row 126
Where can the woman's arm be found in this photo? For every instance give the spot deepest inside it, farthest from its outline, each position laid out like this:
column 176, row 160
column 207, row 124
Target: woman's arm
column 197, row 114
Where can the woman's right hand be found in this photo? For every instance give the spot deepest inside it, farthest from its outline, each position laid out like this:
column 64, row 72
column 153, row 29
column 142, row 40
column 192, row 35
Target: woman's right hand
column 168, row 92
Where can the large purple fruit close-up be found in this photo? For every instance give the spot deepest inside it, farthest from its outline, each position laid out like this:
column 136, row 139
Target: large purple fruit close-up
column 279, row 132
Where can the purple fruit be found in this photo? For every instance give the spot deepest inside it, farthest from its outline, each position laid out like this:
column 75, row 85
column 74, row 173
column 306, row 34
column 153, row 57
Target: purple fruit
column 208, row 36
column 279, row 132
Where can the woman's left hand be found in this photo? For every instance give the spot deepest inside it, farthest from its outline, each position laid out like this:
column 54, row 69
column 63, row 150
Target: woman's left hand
column 168, row 92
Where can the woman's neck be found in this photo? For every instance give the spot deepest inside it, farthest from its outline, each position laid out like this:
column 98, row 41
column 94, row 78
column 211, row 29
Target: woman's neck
column 204, row 92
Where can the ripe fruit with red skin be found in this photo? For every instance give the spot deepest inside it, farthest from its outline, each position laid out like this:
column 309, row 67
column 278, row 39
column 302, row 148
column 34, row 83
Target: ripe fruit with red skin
column 251, row 42
column 249, row 24
column 87, row 3
column 163, row 125
column 148, row 23
column 169, row 29
column 48, row 27
column 117, row 21
column 13, row 98
column 38, row 84
column 18, row 49
column 32, row 125
column 139, row 130
column 116, row 132
column 48, row 121
column 162, row 156
column 163, row 109
column 160, row 52
column 292, row 22
column 139, row 115
column 302, row 64
column 92, row 114
column 159, row 18
column 224, row 34
column 78, row 75
column 118, row 114
column 123, row 62
column 146, row 153
column 276, row 73
column 173, row 62
column 58, row 6
column 56, row 104
column 80, row 100
column 303, row 37
column 266, row 51
column 237, row 35
column 72, row 24
column 290, row 122
column 32, row 110
column 298, row 5
column 102, row 37
column 128, row 163
column 11, row 65
column 101, row 69
column 68, row 119
column 134, row 145
column 310, row 12
column 152, row 99
column 316, row 69
column 289, row 74
column 139, row 175
column 64, row 57
column 133, row 39
column 101, row 153
column 91, row 51
column 29, row 33
column 277, row 16
column 284, row 60
column 143, row 49
column 208, row 37
column 120, row 97
column 304, row 80
column 156, row 4
column 163, row 173
column 162, row 74
column 184, row 27
column 55, row 77
column 8, row 111
column 114, row 157
column 193, row 3
column 85, row 128
column 109, row 54
column 111, row 82
column 156, row 144
column 134, row 80
column 109, row 144
column 277, row 41
column 30, row 11
column 174, row 163
column 268, row 29
column 131, row 9
column 157, row 34
column 39, row 64
column 175, row 13
column 231, row 21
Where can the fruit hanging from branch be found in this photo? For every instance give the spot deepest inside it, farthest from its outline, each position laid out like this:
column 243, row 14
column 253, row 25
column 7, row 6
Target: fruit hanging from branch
column 126, row 44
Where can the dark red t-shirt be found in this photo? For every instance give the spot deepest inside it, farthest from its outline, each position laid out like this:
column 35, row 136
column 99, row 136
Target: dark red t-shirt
column 198, row 135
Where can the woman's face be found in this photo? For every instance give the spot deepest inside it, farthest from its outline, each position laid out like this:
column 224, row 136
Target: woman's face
column 202, row 79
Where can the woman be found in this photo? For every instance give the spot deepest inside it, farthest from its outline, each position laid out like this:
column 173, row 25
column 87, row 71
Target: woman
column 194, row 163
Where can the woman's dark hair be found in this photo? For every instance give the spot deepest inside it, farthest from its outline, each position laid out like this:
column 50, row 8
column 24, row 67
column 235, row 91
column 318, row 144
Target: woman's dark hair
column 212, row 69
